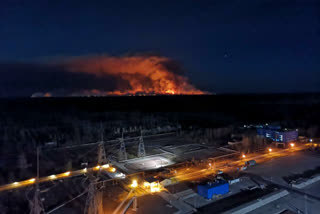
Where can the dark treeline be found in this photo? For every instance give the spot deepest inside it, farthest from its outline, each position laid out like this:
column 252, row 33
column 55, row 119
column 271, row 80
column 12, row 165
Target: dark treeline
column 30, row 121
column 219, row 109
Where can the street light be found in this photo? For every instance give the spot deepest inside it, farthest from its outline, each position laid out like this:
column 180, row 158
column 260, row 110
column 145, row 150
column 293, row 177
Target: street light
column 243, row 155
column 270, row 150
column 105, row 166
column 52, row 176
column 292, row 145
column 32, row 180
column 134, row 184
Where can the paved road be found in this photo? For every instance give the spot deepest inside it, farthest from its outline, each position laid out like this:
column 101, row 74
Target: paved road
column 68, row 174
column 184, row 174
column 197, row 173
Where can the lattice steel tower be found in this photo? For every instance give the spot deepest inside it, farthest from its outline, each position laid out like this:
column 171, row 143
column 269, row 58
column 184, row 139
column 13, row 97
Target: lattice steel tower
column 102, row 158
column 36, row 206
column 141, row 150
column 122, row 151
column 94, row 200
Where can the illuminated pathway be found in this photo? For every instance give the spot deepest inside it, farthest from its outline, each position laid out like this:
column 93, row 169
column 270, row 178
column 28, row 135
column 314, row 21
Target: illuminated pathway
column 182, row 175
column 193, row 173
column 55, row 177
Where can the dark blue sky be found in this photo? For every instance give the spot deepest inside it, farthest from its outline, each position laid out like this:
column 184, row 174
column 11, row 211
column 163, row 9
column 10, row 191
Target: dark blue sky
column 224, row 46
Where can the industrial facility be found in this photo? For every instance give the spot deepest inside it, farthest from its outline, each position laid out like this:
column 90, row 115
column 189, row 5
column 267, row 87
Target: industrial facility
column 277, row 134
column 209, row 190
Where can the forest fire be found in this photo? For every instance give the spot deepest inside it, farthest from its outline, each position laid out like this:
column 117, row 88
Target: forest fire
column 136, row 75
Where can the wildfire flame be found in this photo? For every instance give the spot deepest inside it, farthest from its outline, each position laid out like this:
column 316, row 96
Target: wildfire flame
column 151, row 75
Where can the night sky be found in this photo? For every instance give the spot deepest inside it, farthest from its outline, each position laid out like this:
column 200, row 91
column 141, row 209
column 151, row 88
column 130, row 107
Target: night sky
column 236, row 46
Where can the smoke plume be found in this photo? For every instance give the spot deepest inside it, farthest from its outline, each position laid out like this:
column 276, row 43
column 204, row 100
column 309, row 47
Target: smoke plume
column 137, row 74
column 96, row 76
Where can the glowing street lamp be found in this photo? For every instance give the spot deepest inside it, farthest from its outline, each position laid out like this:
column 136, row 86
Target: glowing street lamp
column 292, row 145
column 134, row 184
column 243, row 155
column 52, row 177
column 146, row 184
column 270, row 150
column 32, row 180
column 97, row 167
column 105, row 166
column 66, row 173
column 15, row 183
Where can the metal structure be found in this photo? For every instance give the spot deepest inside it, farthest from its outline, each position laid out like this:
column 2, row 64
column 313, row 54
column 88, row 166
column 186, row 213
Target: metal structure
column 22, row 161
column 141, row 149
column 36, row 206
column 102, row 158
column 94, row 200
column 122, row 151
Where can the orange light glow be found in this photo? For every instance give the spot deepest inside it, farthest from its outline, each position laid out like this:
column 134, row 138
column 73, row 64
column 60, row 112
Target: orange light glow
column 134, row 184
column 66, row 173
column 243, row 156
column 52, row 176
column 170, row 92
column 105, row 166
column 270, row 150
column 32, row 180
column 146, row 184
column 292, row 144
column 113, row 169
column 144, row 75
column 155, row 187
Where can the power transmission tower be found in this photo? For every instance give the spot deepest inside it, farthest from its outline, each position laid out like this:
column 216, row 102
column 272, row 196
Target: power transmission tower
column 102, row 158
column 36, row 206
column 122, row 152
column 135, row 204
column 94, row 200
column 141, row 150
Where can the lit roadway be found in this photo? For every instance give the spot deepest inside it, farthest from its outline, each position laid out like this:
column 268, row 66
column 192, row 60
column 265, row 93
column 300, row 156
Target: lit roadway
column 194, row 173
column 67, row 174
column 191, row 173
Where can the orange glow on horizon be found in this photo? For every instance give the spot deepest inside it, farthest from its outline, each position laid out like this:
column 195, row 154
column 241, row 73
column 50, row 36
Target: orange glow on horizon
column 170, row 92
column 138, row 75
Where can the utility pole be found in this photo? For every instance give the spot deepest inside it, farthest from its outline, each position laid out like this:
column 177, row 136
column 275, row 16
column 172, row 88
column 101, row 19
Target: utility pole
column 141, row 149
column 36, row 206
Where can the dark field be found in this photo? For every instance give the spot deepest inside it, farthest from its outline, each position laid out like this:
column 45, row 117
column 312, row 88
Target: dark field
column 204, row 110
